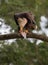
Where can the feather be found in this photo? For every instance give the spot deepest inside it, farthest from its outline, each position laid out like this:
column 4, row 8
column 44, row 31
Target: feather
column 22, row 22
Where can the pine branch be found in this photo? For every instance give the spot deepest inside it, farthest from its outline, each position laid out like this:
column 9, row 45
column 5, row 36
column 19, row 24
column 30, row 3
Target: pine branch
column 17, row 35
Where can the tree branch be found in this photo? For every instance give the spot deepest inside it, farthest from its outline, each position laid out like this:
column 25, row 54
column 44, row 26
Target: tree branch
column 17, row 35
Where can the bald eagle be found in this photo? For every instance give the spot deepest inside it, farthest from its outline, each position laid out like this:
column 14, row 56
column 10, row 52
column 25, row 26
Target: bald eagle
column 25, row 22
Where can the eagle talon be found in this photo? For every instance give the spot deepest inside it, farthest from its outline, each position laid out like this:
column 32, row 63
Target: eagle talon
column 26, row 31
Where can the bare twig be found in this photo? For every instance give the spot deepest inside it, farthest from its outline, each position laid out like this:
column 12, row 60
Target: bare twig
column 17, row 35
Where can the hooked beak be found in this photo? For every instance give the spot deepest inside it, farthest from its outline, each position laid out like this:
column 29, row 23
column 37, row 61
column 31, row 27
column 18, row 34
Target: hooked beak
column 36, row 27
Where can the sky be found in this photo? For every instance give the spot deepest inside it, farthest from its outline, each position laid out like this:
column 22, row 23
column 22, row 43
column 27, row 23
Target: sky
column 5, row 29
